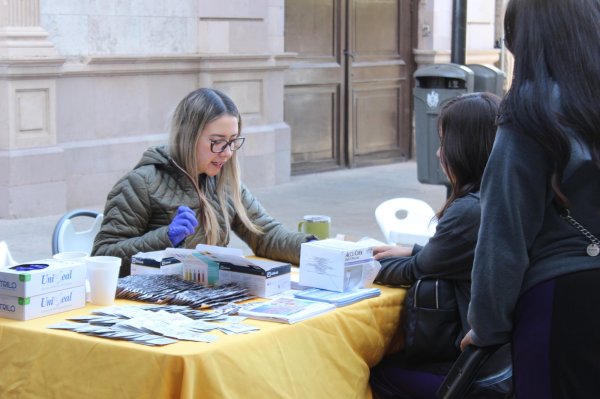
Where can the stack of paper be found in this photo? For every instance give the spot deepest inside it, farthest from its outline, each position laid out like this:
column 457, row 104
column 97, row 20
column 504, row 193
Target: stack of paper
column 286, row 310
column 156, row 325
column 338, row 298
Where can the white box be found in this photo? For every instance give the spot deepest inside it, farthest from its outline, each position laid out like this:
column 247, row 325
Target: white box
column 334, row 265
column 262, row 278
column 155, row 262
column 25, row 308
column 201, row 265
column 34, row 278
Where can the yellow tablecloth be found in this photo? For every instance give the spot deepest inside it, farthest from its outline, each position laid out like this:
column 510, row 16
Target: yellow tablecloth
column 327, row 356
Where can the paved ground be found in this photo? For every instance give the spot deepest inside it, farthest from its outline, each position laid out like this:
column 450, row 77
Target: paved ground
column 349, row 196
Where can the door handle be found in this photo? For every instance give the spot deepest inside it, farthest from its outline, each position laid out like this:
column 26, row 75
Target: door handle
column 349, row 54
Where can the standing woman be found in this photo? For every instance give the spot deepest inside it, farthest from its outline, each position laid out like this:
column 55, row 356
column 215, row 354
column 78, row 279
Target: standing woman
column 467, row 127
column 537, row 270
column 190, row 192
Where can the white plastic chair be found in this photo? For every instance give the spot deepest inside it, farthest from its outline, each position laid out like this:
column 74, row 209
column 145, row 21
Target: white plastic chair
column 417, row 226
column 6, row 259
column 66, row 239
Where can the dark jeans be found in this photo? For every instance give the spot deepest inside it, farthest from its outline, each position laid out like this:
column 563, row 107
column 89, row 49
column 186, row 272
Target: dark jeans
column 556, row 339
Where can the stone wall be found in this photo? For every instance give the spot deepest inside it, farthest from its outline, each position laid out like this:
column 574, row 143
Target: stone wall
column 88, row 85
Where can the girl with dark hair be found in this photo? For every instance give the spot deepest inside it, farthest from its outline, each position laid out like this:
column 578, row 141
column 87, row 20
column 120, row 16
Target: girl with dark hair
column 190, row 192
column 467, row 126
column 536, row 272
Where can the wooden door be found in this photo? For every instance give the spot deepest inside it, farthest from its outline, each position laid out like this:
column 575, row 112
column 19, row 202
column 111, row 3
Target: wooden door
column 348, row 95
column 379, row 83
column 314, row 84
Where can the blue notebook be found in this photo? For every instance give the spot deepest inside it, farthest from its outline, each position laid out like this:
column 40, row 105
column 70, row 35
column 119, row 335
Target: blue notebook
column 338, row 298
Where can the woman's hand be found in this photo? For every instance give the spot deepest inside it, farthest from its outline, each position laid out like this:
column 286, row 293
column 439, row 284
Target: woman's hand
column 182, row 225
column 391, row 250
column 466, row 341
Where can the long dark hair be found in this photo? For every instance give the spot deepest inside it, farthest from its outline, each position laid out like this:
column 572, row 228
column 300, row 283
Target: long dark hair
column 467, row 127
column 556, row 83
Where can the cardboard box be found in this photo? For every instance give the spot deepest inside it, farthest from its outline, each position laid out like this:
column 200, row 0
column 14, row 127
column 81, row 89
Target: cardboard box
column 262, row 278
column 155, row 262
column 196, row 266
column 334, row 265
column 201, row 265
column 42, row 276
column 25, row 308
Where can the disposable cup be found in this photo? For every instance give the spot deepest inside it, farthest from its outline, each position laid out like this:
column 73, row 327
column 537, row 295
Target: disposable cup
column 103, row 275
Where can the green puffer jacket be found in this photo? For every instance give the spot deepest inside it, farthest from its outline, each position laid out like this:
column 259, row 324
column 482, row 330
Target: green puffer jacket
column 142, row 204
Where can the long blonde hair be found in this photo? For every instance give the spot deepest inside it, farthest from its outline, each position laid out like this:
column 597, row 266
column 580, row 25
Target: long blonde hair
column 191, row 115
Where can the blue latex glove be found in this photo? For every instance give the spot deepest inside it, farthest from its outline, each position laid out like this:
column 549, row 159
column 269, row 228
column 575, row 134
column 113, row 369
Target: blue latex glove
column 183, row 225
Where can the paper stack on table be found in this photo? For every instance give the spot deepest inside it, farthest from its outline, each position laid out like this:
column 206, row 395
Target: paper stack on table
column 286, row 310
column 156, row 325
column 338, row 298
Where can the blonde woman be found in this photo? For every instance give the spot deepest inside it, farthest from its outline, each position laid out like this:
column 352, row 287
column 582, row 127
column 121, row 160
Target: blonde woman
column 190, row 192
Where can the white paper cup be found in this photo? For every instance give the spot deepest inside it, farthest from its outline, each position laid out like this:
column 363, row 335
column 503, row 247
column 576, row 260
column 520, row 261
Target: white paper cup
column 103, row 275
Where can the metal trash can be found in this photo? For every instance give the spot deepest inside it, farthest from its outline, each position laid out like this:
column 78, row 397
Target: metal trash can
column 435, row 84
column 488, row 78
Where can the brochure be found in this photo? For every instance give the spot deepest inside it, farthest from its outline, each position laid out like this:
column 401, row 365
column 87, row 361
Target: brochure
column 338, row 298
column 286, row 310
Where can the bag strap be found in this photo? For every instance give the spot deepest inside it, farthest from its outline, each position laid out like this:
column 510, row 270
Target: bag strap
column 593, row 249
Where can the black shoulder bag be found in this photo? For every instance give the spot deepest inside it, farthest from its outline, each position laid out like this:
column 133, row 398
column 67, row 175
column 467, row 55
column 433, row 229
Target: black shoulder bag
column 431, row 321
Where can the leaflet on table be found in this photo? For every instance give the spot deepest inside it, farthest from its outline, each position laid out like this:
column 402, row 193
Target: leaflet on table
column 286, row 310
column 338, row 298
column 160, row 325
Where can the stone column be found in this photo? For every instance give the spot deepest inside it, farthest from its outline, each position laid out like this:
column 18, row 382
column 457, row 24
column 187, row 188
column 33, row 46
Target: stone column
column 21, row 35
column 30, row 182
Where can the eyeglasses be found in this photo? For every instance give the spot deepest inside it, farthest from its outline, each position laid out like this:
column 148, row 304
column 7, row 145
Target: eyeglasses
column 218, row 146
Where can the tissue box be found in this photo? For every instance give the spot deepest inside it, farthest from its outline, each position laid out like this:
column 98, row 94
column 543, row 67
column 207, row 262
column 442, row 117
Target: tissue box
column 334, row 265
column 25, row 308
column 262, row 278
column 39, row 277
column 155, row 262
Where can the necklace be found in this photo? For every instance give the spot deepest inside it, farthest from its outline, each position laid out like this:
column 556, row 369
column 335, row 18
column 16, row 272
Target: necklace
column 593, row 249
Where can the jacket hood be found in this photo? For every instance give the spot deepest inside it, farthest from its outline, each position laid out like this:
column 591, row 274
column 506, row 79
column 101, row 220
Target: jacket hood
column 155, row 156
